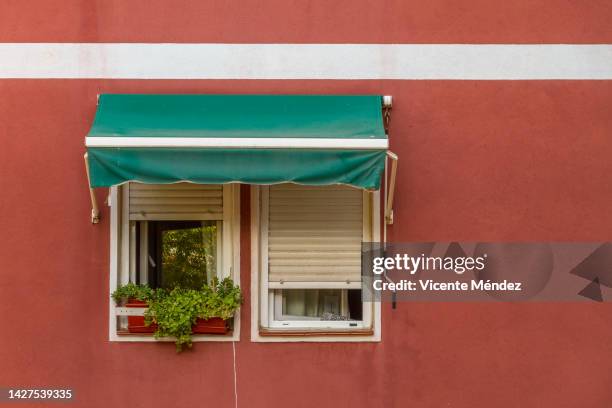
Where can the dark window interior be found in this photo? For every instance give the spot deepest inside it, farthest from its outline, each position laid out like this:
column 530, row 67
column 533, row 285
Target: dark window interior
column 355, row 305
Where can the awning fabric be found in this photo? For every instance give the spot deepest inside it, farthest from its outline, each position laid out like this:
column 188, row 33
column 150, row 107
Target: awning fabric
column 254, row 139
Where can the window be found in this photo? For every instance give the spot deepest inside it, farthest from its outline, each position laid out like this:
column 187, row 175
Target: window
column 308, row 259
column 172, row 235
column 177, row 253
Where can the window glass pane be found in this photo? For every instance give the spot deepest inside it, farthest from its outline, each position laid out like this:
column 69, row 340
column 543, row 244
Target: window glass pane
column 188, row 253
column 318, row 304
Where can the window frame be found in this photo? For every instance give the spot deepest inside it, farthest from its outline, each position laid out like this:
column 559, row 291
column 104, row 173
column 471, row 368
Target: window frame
column 264, row 328
column 123, row 255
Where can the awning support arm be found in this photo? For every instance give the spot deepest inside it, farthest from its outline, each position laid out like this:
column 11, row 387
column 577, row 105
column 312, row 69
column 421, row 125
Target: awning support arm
column 95, row 211
column 391, row 188
column 387, row 105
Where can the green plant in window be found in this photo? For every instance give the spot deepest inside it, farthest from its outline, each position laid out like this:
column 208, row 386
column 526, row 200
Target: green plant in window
column 175, row 311
column 220, row 299
column 132, row 291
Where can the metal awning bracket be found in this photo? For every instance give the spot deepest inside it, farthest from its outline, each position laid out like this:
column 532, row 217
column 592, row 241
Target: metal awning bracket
column 95, row 211
column 391, row 188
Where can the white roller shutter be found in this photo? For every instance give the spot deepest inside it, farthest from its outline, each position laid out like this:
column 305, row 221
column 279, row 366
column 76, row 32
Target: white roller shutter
column 314, row 234
column 180, row 201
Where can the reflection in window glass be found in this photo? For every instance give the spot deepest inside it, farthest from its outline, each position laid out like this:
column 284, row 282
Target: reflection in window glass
column 188, row 254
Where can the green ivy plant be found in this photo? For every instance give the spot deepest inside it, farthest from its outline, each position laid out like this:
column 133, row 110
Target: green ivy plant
column 132, row 291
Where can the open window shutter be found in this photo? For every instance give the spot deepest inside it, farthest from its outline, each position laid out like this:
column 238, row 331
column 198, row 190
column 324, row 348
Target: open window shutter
column 314, row 234
column 180, row 201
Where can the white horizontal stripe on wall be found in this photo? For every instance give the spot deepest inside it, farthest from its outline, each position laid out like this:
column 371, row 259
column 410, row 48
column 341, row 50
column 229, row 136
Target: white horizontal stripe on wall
column 305, row 61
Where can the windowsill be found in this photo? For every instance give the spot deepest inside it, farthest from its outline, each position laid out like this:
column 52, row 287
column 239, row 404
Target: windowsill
column 230, row 333
column 313, row 332
column 125, row 336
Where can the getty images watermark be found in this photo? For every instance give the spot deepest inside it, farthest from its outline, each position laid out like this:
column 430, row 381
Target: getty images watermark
column 487, row 271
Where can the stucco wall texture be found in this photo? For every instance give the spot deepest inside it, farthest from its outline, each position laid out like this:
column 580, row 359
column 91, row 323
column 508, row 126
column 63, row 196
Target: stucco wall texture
column 479, row 160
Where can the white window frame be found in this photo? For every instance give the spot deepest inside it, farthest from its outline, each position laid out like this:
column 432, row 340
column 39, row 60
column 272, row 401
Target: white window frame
column 262, row 292
column 123, row 264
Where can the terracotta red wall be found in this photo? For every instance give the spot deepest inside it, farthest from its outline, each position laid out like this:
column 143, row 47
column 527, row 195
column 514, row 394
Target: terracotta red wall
column 308, row 21
column 480, row 160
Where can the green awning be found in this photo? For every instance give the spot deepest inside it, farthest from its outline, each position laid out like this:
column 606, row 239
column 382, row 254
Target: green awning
column 254, row 139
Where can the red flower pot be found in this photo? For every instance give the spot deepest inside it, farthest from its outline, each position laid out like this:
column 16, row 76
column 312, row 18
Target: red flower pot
column 136, row 324
column 214, row 325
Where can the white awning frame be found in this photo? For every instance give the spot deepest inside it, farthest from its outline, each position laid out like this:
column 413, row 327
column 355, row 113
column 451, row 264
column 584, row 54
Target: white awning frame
column 239, row 143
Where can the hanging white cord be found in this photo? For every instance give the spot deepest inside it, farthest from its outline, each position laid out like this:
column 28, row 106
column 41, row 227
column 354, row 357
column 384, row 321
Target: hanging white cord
column 235, row 380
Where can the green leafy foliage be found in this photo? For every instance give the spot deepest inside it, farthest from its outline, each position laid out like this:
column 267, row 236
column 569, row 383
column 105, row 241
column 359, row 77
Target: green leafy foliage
column 176, row 310
column 132, row 291
column 188, row 256
column 220, row 299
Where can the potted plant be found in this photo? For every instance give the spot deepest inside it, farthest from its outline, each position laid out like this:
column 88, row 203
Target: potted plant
column 220, row 301
column 181, row 312
column 175, row 312
column 137, row 296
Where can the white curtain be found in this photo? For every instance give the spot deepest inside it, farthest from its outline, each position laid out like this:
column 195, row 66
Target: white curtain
column 315, row 303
